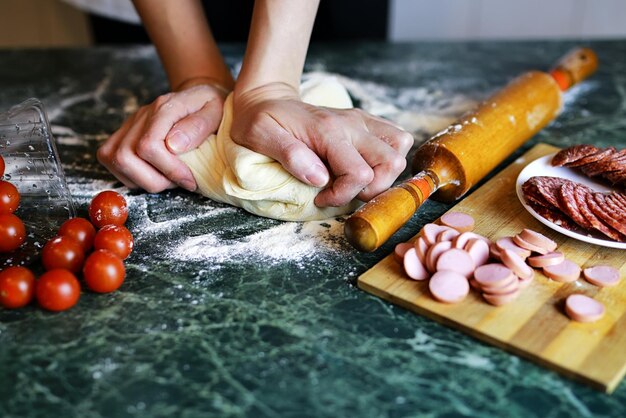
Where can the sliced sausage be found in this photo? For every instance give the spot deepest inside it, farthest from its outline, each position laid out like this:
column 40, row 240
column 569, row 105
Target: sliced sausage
column 503, row 299
column 448, row 235
column 512, row 286
column 456, row 260
column 550, row 259
column 448, row 286
column 434, row 252
column 431, row 231
column 516, row 264
column 413, row 267
column 535, row 238
column 493, row 275
column 573, row 153
column 460, row 221
column 507, row 243
column 524, row 282
column 421, row 247
column 582, row 308
column 462, row 240
column 401, row 249
column 565, row 272
column 478, row 250
column 602, row 276
column 528, row 246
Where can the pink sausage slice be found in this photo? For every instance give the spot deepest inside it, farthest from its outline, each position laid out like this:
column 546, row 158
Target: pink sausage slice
column 602, row 276
column 507, row 243
column 413, row 267
column 478, row 250
column 456, row 260
column 448, row 235
column 565, row 272
column 433, row 254
column 535, row 238
column 511, row 287
column 516, row 264
column 493, row 275
column 582, row 308
column 463, row 239
column 494, row 252
column 431, row 231
column 448, row 286
column 528, row 246
column 421, row 246
column 550, row 259
column 503, row 299
column 462, row 222
column 401, row 249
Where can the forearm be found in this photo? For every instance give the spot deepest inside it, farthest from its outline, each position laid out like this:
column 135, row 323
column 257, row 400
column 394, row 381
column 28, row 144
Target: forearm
column 184, row 41
column 278, row 43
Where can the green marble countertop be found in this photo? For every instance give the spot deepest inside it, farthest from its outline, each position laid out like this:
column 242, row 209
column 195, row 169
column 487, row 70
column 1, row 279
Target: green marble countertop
column 226, row 314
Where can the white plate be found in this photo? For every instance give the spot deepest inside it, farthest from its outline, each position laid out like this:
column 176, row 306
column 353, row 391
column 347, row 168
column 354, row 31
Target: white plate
column 542, row 167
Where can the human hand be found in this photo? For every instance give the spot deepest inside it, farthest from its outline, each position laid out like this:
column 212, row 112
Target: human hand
column 142, row 152
column 364, row 153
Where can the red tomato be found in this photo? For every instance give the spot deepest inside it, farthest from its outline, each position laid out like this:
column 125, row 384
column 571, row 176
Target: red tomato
column 116, row 239
column 57, row 290
column 1, row 166
column 12, row 232
column 63, row 253
column 17, row 287
column 104, row 271
column 79, row 229
column 108, row 208
column 9, row 197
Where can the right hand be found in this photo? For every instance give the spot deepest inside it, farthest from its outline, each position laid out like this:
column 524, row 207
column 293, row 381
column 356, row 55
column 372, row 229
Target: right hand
column 142, row 152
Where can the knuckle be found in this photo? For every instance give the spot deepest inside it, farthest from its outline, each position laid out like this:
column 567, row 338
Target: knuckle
column 397, row 164
column 405, row 140
column 147, row 149
column 363, row 175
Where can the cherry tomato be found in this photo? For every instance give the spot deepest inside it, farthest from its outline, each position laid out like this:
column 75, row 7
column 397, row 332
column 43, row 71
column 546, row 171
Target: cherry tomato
column 81, row 230
column 108, row 208
column 57, row 290
column 12, row 232
column 116, row 239
column 9, row 197
column 1, row 166
column 63, row 253
column 17, row 287
column 104, row 271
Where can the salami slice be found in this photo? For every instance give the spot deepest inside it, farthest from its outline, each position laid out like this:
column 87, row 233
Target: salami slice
column 586, row 205
column 604, row 213
column 556, row 217
column 569, row 206
column 601, row 154
column 548, row 188
column 615, row 200
column 532, row 195
column 613, row 162
column 573, row 153
column 615, row 177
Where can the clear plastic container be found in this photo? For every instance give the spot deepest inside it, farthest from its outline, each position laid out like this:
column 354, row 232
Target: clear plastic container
column 33, row 166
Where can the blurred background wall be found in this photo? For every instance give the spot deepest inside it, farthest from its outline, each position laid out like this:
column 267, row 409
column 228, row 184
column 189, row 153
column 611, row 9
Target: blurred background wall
column 49, row 23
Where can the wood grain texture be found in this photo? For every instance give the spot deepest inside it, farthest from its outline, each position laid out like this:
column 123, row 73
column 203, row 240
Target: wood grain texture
column 535, row 325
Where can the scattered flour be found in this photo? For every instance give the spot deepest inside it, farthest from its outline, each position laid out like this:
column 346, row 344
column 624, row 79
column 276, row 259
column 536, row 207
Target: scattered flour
column 289, row 241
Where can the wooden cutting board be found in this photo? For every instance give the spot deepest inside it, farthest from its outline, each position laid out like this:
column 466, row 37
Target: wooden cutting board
column 534, row 325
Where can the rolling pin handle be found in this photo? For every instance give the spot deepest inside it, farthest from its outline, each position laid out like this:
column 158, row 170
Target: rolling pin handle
column 370, row 226
column 574, row 67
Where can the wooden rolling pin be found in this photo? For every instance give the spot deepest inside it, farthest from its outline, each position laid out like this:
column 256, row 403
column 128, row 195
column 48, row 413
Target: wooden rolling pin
column 454, row 160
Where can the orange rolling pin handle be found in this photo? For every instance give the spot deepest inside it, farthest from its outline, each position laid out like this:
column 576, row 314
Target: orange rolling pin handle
column 574, row 67
column 370, row 226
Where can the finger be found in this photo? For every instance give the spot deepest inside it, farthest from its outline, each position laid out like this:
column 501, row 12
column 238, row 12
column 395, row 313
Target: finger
column 398, row 139
column 268, row 137
column 352, row 173
column 125, row 163
column 385, row 161
column 191, row 131
column 171, row 108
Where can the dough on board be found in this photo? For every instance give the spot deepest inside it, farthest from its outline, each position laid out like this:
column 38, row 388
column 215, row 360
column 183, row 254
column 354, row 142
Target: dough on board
column 230, row 173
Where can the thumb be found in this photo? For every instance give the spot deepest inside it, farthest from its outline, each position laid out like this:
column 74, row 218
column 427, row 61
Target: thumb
column 188, row 133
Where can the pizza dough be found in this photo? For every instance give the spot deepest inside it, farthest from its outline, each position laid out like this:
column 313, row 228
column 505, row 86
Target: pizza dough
column 230, row 173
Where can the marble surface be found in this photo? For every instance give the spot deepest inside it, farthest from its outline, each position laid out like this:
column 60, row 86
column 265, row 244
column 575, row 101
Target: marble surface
column 226, row 314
